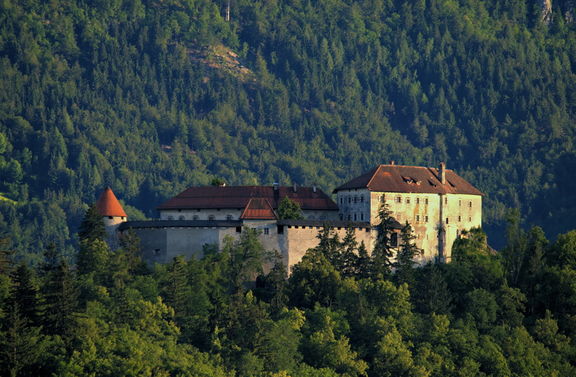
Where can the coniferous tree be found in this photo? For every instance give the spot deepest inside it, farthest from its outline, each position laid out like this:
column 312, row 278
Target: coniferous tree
column 25, row 294
column 92, row 226
column 383, row 251
column 407, row 251
column 349, row 256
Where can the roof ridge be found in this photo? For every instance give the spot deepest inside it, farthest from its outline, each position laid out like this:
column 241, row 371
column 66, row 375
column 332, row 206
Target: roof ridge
column 373, row 175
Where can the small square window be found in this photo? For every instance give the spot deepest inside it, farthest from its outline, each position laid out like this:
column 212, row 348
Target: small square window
column 407, row 200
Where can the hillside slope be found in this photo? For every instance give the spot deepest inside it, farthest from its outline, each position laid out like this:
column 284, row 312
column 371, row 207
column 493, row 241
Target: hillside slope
column 149, row 97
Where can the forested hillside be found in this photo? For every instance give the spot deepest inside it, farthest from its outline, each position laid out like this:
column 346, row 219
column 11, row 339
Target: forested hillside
column 150, row 96
column 341, row 312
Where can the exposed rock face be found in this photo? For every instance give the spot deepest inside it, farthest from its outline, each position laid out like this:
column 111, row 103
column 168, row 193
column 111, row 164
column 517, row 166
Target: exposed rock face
column 546, row 13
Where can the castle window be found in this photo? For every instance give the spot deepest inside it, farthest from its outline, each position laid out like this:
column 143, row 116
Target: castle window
column 266, row 231
column 349, row 217
column 341, row 217
column 382, row 198
column 470, row 204
column 341, row 200
column 417, row 200
column 349, row 199
column 426, row 201
column 195, row 217
column 361, row 198
column 417, row 218
column 398, row 199
column 354, row 217
column 445, row 200
column 181, row 217
column 459, row 218
column 362, row 216
column 170, row 218
column 238, row 229
column 459, row 203
column 446, row 220
column 211, row 218
column 228, row 217
column 426, row 218
column 156, row 252
column 355, row 199
column 280, row 229
column 470, row 219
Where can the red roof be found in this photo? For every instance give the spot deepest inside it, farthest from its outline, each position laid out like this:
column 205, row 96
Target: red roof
column 108, row 205
column 258, row 209
column 411, row 179
column 237, row 197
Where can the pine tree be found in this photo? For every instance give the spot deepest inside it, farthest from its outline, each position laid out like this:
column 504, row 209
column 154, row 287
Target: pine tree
column 92, row 226
column 363, row 262
column 60, row 295
column 349, row 257
column 383, row 249
column 405, row 262
column 25, row 294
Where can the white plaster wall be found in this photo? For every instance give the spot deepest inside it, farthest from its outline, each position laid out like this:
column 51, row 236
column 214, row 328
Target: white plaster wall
column 299, row 239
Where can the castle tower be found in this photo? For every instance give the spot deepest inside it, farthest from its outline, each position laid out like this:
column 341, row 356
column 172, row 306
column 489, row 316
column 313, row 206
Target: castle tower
column 112, row 213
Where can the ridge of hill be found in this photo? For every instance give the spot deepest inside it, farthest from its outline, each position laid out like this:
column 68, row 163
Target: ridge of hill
column 145, row 96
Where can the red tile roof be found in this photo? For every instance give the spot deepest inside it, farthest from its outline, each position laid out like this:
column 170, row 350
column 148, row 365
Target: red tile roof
column 108, row 205
column 258, row 209
column 237, row 197
column 410, row 179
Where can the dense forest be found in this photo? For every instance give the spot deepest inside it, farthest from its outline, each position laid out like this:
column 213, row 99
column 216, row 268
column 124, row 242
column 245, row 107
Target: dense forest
column 340, row 313
column 151, row 96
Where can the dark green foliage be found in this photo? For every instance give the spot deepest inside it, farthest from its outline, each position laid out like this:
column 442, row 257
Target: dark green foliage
column 140, row 95
column 407, row 252
column 383, row 251
column 289, row 210
column 92, row 226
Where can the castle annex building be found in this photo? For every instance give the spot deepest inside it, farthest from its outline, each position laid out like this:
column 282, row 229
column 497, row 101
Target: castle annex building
column 438, row 204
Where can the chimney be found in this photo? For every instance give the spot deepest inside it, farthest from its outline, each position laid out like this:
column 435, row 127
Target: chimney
column 442, row 172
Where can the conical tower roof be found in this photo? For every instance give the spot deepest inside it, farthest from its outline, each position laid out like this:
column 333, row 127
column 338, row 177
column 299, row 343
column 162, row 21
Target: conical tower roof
column 108, row 205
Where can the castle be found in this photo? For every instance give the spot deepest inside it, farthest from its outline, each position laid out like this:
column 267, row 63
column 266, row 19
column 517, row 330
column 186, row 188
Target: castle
column 438, row 203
